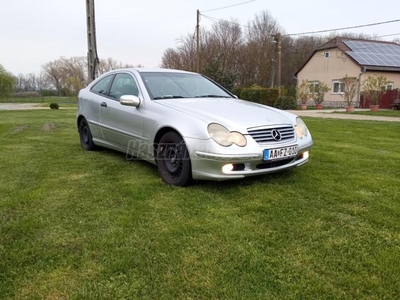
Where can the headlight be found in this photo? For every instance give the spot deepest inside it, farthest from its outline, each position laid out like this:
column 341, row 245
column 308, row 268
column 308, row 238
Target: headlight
column 301, row 128
column 224, row 137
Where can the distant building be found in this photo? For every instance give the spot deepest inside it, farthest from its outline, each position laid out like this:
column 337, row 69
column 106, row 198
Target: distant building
column 353, row 57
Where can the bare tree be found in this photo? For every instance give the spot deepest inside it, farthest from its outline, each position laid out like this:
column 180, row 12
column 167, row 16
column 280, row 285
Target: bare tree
column 251, row 53
column 74, row 73
column 260, row 33
column 171, row 59
column 110, row 64
column 183, row 57
column 295, row 52
column 224, row 41
column 30, row 82
column 54, row 74
column 42, row 82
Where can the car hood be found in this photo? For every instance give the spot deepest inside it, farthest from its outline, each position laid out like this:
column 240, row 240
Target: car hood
column 236, row 115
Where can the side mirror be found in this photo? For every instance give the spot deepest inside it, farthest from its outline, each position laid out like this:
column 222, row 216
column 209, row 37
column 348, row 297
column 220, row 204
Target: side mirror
column 129, row 100
column 235, row 96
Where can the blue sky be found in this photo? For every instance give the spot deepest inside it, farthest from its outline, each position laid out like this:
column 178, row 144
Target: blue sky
column 137, row 32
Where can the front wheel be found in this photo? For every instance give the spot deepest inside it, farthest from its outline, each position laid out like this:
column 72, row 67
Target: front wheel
column 173, row 160
column 85, row 136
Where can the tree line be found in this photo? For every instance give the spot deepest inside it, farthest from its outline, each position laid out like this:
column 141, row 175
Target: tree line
column 231, row 54
column 237, row 55
column 60, row 77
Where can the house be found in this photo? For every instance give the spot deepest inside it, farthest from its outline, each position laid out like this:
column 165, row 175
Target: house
column 353, row 57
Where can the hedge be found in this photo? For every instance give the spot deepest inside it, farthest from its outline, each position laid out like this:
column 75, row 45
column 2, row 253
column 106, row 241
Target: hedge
column 285, row 102
column 267, row 96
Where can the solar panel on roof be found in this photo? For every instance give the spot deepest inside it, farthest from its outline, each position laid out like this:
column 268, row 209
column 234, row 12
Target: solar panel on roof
column 374, row 54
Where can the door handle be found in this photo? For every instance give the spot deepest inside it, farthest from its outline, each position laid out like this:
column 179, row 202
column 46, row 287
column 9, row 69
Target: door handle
column 103, row 104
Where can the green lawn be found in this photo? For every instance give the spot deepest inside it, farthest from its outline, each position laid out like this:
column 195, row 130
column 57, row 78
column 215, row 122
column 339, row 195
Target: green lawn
column 91, row 225
column 381, row 112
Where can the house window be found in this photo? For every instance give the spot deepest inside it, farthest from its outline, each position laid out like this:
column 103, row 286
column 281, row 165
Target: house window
column 337, row 87
column 314, row 85
column 326, row 54
column 388, row 86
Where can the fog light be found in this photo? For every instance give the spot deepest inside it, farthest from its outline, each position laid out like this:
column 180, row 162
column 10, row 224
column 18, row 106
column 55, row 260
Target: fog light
column 227, row 168
column 306, row 154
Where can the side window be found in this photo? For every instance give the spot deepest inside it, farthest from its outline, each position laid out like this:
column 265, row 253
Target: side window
column 102, row 86
column 123, row 84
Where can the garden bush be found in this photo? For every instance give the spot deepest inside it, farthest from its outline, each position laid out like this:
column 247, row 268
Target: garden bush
column 237, row 91
column 258, row 94
column 54, row 106
column 285, row 102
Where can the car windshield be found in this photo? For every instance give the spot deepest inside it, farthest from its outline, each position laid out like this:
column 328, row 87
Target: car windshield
column 170, row 85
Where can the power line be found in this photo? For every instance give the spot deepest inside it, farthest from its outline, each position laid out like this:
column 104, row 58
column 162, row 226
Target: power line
column 310, row 32
column 229, row 6
column 343, row 28
column 223, row 21
column 393, row 34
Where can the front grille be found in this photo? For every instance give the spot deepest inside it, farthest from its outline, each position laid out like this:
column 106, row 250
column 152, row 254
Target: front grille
column 264, row 135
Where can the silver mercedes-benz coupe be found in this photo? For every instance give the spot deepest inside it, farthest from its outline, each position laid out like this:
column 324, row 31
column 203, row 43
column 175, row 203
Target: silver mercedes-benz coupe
column 188, row 125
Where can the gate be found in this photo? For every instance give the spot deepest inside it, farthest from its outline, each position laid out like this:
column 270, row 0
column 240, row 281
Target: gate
column 385, row 102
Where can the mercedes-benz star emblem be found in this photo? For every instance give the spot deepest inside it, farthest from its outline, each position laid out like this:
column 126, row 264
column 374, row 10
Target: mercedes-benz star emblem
column 276, row 135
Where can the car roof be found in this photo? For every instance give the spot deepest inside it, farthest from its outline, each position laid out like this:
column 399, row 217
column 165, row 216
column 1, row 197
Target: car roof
column 157, row 70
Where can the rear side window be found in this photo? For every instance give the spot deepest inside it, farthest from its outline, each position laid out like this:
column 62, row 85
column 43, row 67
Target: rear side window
column 102, row 86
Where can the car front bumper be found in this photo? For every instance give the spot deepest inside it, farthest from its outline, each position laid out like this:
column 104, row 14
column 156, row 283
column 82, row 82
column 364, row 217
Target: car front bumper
column 210, row 162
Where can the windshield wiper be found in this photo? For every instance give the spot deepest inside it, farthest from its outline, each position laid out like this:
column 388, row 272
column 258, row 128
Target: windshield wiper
column 168, row 97
column 211, row 96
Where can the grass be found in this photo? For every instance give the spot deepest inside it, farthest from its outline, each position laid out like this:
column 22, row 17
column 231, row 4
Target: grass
column 91, row 225
column 381, row 112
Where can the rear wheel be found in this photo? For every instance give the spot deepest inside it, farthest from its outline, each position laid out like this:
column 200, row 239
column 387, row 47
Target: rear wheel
column 85, row 136
column 173, row 160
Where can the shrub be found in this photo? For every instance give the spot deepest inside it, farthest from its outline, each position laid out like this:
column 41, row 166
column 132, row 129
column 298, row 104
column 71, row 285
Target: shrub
column 54, row 106
column 286, row 102
column 254, row 95
column 237, row 91
column 290, row 91
column 268, row 96
column 48, row 93
column 244, row 95
column 259, row 94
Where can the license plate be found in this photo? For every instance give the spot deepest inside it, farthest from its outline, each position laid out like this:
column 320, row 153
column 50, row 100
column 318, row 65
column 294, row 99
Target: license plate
column 280, row 153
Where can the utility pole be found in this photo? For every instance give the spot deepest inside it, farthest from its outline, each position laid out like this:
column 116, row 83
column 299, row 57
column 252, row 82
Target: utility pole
column 273, row 72
column 92, row 57
column 279, row 40
column 198, row 42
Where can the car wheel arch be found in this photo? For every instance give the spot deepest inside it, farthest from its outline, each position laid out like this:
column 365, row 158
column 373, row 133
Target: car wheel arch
column 159, row 135
column 79, row 119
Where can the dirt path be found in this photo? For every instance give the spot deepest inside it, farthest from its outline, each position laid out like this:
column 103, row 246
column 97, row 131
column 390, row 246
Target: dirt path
column 25, row 106
column 341, row 114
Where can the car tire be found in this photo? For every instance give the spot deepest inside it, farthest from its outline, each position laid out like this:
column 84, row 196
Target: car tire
column 85, row 136
column 173, row 160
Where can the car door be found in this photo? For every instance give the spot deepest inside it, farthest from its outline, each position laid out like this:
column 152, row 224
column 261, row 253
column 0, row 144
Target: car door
column 89, row 104
column 122, row 125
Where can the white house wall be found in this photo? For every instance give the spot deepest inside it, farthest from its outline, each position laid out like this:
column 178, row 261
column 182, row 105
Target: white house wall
column 322, row 69
column 335, row 67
